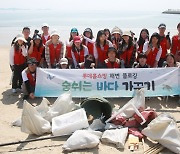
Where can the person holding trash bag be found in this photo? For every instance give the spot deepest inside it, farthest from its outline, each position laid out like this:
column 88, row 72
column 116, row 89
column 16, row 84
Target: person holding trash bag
column 18, row 54
column 29, row 79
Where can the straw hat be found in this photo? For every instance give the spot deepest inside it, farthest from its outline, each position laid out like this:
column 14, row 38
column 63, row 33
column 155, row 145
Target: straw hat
column 54, row 32
column 116, row 30
column 127, row 33
column 20, row 37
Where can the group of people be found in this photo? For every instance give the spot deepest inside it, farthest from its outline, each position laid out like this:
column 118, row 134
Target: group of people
column 115, row 49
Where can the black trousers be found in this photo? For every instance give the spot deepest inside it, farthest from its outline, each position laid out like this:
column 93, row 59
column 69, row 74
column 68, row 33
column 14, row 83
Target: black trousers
column 17, row 77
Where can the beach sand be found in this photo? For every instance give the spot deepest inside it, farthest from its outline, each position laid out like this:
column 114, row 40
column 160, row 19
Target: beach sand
column 11, row 109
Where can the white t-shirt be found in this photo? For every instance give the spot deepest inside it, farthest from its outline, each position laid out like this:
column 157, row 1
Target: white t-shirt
column 145, row 48
column 24, row 75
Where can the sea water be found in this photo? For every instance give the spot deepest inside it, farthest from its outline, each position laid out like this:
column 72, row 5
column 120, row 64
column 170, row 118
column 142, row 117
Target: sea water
column 13, row 20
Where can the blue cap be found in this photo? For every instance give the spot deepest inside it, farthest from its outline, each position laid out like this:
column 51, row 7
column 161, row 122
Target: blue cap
column 74, row 30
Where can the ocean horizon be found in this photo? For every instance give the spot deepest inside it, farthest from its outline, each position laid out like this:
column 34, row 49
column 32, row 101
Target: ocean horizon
column 14, row 19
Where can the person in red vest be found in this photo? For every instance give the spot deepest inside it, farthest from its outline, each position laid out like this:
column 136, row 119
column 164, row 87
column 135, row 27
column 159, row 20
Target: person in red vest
column 37, row 50
column 45, row 35
column 153, row 50
column 18, row 54
column 127, row 50
column 74, row 32
column 116, row 36
column 112, row 61
column 77, row 53
column 29, row 79
column 165, row 43
column 143, row 37
column 54, row 50
column 142, row 61
column 88, row 40
column 100, row 48
column 175, row 48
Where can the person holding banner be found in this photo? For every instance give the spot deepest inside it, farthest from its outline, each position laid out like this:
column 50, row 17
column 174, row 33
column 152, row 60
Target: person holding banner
column 37, row 49
column 142, row 61
column 153, row 50
column 29, row 79
column 77, row 53
column 112, row 61
column 127, row 50
column 18, row 54
column 54, row 50
column 100, row 48
column 171, row 61
column 175, row 48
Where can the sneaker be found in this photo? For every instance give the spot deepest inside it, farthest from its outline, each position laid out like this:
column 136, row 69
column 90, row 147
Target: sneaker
column 14, row 90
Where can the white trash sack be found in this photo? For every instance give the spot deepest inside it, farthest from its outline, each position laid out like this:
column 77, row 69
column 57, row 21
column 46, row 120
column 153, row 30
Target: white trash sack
column 130, row 108
column 115, row 136
column 97, row 124
column 82, row 139
column 163, row 129
column 62, row 105
column 42, row 109
column 33, row 122
column 68, row 123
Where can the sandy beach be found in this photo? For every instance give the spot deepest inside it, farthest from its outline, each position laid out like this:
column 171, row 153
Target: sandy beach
column 11, row 109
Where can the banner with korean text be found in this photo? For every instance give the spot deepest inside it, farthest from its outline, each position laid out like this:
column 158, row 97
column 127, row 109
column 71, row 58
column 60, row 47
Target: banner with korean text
column 107, row 82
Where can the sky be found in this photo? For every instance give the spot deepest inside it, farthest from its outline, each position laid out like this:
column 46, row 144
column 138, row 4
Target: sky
column 92, row 5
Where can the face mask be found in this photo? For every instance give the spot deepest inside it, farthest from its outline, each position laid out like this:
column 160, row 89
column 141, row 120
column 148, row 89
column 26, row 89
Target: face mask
column 87, row 63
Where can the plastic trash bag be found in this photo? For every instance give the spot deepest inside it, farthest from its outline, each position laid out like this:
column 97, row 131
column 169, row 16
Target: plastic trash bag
column 164, row 130
column 70, row 122
column 33, row 122
column 133, row 106
column 82, row 139
column 115, row 136
column 62, row 105
column 97, row 125
column 42, row 109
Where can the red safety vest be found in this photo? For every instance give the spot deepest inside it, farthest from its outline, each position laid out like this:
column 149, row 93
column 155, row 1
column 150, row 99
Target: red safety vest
column 127, row 55
column 116, row 64
column 31, row 78
column 151, row 57
column 78, row 55
column 175, row 44
column 19, row 59
column 55, row 52
column 44, row 40
column 37, row 54
column 102, row 54
column 90, row 47
column 163, row 44
column 140, row 49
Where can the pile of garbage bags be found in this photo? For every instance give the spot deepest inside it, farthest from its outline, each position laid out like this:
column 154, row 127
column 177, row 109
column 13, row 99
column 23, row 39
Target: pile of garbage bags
column 95, row 122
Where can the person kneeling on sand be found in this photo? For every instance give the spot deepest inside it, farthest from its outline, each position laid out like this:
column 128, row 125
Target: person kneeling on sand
column 29, row 79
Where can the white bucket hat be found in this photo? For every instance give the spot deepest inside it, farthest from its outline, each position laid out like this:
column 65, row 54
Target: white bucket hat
column 45, row 25
column 116, row 30
column 20, row 37
column 54, row 32
column 127, row 33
